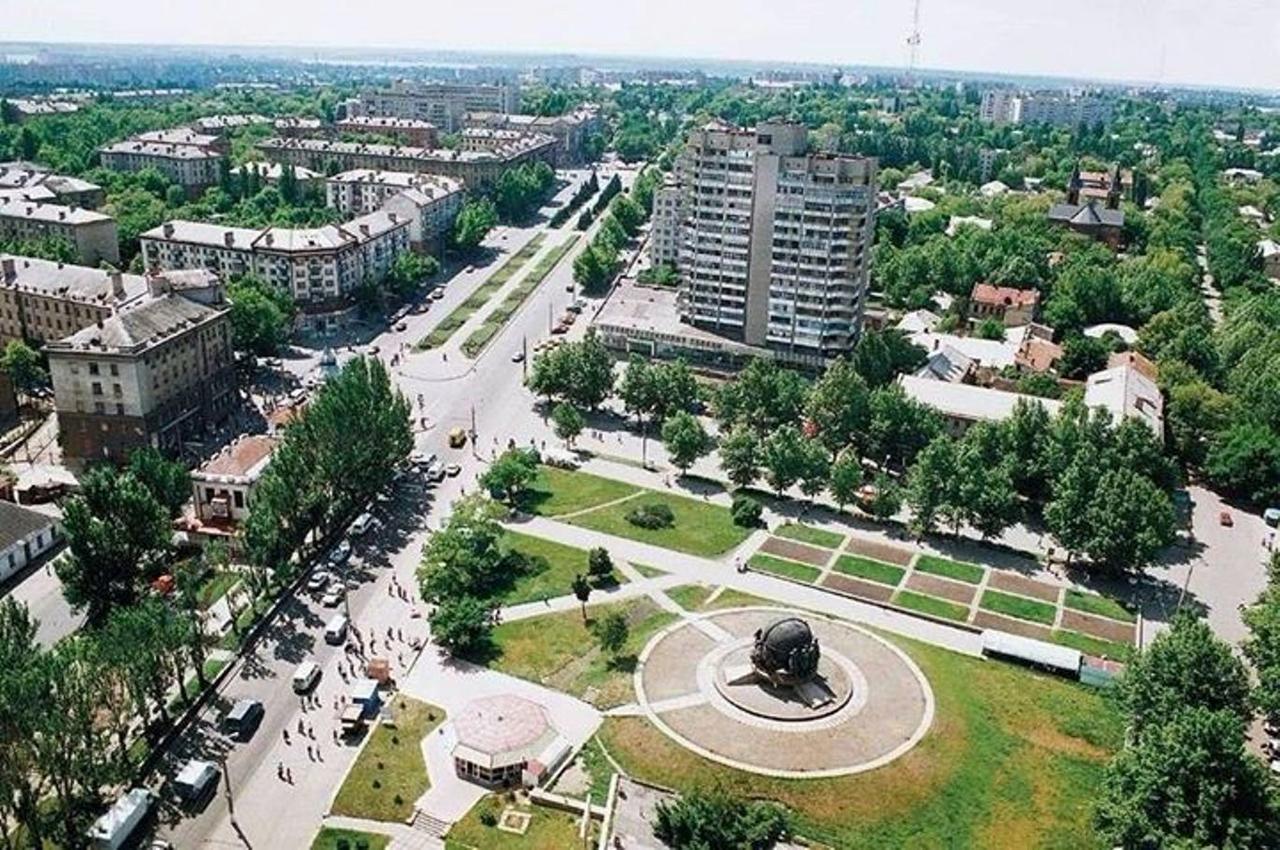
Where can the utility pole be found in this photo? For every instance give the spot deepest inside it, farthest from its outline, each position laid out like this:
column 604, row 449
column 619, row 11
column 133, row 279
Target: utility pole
column 524, row 357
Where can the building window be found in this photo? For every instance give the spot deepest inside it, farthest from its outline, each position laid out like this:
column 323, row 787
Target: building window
column 239, row 499
column 93, row 368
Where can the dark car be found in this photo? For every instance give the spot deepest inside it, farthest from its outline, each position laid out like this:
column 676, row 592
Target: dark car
column 243, row 719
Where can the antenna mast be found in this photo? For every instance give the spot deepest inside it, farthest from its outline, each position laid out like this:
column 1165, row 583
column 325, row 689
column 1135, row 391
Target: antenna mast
column 913, row 40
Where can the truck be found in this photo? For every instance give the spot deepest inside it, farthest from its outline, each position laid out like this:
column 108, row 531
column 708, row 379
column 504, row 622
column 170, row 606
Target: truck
column 114, row 829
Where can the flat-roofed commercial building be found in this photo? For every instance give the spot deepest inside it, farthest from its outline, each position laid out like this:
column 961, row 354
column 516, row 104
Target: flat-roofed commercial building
column 190, row 166
column 411, row 131
column 443, row 104
column 92, row 234
column 320, row 266
column 41, row 300
column 774, row 242
column 570, row 131
column 156, row 373
column 431, row 202
column 476, row 169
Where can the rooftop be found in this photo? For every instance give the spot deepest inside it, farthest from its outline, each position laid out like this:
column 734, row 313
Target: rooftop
column 62, row 280
column 274, row 171
column 1128, row 394
column 50, row 213
column 498, row 731
column 140, row 326
column 525, row 143
column 965, row 401
column 177, row 136
column 432, row 185
column 241, row 462
column 1086, row 215
column 1006, row 296
column 203, row 233
column 385, row 122
column 17, row 522
column 158, row 149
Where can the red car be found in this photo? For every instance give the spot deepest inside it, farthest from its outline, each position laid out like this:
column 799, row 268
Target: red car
column 1224, row 518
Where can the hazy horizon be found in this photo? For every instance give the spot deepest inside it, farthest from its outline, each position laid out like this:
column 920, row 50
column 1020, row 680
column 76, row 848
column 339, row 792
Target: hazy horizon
column 1233, row 43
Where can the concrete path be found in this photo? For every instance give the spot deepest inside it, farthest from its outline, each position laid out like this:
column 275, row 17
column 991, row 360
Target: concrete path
column 690, row 568
column 637, row 586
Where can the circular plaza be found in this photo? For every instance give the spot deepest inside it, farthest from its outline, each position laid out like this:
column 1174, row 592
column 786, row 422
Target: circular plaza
column 867, row 705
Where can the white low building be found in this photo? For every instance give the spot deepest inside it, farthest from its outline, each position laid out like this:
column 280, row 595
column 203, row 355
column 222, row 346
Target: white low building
column 222, row 489
column 961, row 405
column 1126, row 393
column 25, row 535
column 506, row 740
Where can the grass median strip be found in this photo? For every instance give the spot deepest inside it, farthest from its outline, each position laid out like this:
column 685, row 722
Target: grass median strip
column 812, row 536
column 1018, row 606
column 456, row 319
column 784, row 568
column 503, row 312
column 390, row 774
column 931, row 605
column 868, row 569
column 1092, row 645
column 1092, row 603
column 947, row 568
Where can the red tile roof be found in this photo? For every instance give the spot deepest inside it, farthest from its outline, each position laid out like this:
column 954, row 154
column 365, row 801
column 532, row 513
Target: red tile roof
column 1008, row 296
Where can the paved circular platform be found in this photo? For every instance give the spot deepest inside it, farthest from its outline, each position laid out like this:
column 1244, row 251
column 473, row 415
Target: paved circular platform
column 881, row 703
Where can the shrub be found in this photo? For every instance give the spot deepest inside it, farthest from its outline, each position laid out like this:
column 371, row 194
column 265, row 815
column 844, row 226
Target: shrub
column 652, row 516
column 746, row 511
column 342, row 844
column 599, row 564
column 362, row 844
column 489, row 817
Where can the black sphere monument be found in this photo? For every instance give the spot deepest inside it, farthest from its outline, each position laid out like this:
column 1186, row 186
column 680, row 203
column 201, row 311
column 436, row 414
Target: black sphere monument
column 782, row 674
column 785, row 653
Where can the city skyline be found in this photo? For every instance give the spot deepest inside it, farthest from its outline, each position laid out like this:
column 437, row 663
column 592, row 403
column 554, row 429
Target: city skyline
column 1175, row 42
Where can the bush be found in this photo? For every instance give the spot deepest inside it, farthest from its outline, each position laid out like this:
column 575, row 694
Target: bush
column 746, row 511
column 489, row 817
column 342, row 844
column 652, row 516
column 599, row 564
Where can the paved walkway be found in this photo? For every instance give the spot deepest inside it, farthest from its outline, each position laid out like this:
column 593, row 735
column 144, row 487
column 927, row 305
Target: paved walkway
column 690, row 568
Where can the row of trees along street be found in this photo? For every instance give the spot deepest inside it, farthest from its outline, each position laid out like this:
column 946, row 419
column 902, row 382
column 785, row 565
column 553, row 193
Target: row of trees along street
column 80, row 718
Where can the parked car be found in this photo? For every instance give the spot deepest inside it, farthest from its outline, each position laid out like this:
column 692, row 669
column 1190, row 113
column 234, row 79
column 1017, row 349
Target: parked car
column 401, row 326
column 435, row 473
column 305, row 677
column 452, row 470
column 363, row 523
column 319, row 581
column 517, row 356
column 1224, row 518
column 243, row 719
column 341, row 552
column 196, row 782
column 332, row 597
column 457, row 438
column 560, row 328
column 437, row 294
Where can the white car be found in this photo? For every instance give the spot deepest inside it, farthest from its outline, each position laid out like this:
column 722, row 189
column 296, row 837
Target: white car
column 517, row 357
column 319, row 581
column 363, row 523
column 452, row 470
column 340, row 553
column 332, row 597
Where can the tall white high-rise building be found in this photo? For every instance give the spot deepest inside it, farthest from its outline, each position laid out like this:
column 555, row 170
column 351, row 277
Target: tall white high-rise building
column 774, row 242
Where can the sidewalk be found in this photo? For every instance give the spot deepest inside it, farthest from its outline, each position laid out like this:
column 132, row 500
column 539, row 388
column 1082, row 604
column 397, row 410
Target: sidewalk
column 688, row 568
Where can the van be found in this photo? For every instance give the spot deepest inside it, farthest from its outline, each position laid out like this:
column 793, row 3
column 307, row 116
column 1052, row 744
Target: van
column 305, row 677
column 196, row 781
column 561, row 459
column 336, row 631
column 114, row 829
column 362, row 524
column 243, row 719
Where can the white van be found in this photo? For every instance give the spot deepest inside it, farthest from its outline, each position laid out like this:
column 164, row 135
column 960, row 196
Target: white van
column 362, row 524
column 113, row 830
column 336, row 631
column 196, row 781
column 305, row 677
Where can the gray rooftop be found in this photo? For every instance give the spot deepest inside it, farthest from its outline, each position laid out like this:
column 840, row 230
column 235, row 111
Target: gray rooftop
column 17, row 522
column 51, row 213
column 1086, row 215
column 61, row 280
column 140, row 326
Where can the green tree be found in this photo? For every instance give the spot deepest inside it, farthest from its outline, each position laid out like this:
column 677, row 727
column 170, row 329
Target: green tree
column 582, row 590
column 117, row 534
column 880, row 356
column 464, row 558
column 261, row 316
column 839, row 407
column 740, row 456
column 887, row 500
column 1130, row 521
column 567, row 422
column 713, row 820
column 168, row 480
column 611, row 632
column 763, row 396
column 599, row 564
column 461, row 624
column 1262, row 647
column 846, row 478
column 510, row 475
column 24, row 366
column 931, row 484
column 784, row 457
column 474, row 221
column 685, row 440
column 1244, row 459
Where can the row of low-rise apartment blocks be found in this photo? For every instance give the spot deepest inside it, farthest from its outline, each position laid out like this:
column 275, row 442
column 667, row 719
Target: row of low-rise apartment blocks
column 134, row 360
column 33, row 182
column 1059, row 109
column 320, row 267
column 476, row 169
column 772, row 242
column 430, row 202
column 192, row 167
column 94, row 236
column 570, row 131
column 443, row 104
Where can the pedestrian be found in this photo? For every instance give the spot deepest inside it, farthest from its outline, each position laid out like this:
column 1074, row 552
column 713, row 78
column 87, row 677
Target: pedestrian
column 301, row 726
column 285, row 732
column 280, row 769
column 288, row 775
column 335, row 736
column 309, row 756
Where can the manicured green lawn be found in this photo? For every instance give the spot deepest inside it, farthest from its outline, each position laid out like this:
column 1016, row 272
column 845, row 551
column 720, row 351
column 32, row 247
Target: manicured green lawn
column 328, row 840
column 700, row 528
column 561, row 564
column 389, row 775
column 690, row 597
column 559, row 650
column 958, row 570
column 557, row 491
column 549, row 829
column 1014, row 760
column 931, row 605
column 215, row 586
column 1092, row 603
column 809, row 534
column 504, row 311
column 1092, row 645
column 869, row 569
column 1018, row 606
column 733, row 598
column 783, row 567
column 648, row 571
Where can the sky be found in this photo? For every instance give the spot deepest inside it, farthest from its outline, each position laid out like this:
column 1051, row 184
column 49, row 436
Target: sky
column 1202, row 42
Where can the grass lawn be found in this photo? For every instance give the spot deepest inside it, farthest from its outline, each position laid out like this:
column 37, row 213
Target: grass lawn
column 389, row 774
column 809, row 534
column 328, row 840
column 549, row 829
column 648, row 571
column 557, row 491
column 1018, row 606
column 558, row 650
column 215, row 586
column 450, row 323
column 869, row 569
column 733, row 598
column 785, row 568
column 691, row 597
column 700, row 528
column 1014, row 760
column 931, row 605
column 1092, row 603
column 562, row 564
column 947, row 568
column 1092, row 645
